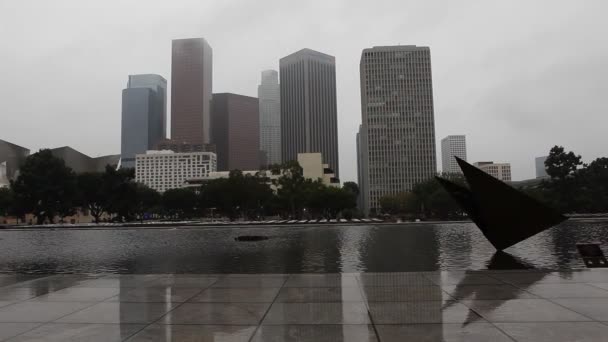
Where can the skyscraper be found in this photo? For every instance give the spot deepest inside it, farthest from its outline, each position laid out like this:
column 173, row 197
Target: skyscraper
column 309, row 116
column 144, row 115
column 191, row 82
column 453, row 146
column 270, row 116
column 397, row 135
column 541, row 169
column 236, row 132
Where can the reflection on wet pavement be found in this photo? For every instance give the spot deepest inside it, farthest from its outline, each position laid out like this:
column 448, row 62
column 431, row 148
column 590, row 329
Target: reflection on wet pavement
column 520, row 304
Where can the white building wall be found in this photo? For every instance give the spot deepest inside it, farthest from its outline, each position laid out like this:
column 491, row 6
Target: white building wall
column 453, row 146
column 164, row 170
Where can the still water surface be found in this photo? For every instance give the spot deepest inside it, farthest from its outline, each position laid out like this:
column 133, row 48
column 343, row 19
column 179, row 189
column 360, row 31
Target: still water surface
column 305, row 249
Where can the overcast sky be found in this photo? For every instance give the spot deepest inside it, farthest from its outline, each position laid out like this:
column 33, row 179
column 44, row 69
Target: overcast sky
column 516, row 77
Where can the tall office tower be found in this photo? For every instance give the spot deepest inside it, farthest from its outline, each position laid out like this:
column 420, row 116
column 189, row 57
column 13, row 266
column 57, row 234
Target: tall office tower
column 191, row 81
column 270, row 116
column 398, row 125
column 144, row 115
column 236, row 131
column 541, row 169
column 309, row 115
column 453, row 146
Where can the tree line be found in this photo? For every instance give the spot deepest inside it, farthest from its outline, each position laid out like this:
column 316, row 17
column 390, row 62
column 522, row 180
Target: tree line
column 49, row 190
column 571, row 187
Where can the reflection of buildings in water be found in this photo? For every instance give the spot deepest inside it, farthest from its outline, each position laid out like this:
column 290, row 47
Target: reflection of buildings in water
column 350, row 242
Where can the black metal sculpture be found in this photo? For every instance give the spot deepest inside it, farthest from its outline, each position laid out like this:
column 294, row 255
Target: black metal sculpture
column 504, row 215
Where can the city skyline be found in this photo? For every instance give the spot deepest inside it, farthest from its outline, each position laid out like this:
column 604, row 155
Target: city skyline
column 482, row 91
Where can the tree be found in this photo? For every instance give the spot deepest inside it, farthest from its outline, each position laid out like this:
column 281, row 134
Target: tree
column 45, row 187
column 6, row 201
column 91, row 193
column 146, row 199
column 118, row 186
column 352, row 187
column 403, row 203
column 180, row 203
column 291, row 187
column 561, row 165
column 593, row 186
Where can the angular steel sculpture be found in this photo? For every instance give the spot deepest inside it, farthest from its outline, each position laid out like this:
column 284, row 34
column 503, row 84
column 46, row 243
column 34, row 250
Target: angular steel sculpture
column 504, row 215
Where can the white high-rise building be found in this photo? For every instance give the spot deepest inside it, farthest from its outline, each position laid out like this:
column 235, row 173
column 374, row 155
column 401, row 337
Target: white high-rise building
column 396, row 140
column 269, row 94
column 541, row 169
column 453, row 146
column 164, row 170
column 500, row 171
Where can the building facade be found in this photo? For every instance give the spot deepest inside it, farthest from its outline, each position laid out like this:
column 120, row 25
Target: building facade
column 309, row 115
column 80, row 162
column 500, row 171
column 12, row 156
column 269, row 94
column 164, row 170
column 144, row 116
column 236, row 131
column 397, row 135
column 191, row 89
column 314, row 169
column 541, row 169
column 453, row 146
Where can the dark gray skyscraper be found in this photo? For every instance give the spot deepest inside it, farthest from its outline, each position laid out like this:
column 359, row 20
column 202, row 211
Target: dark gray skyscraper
column 144, row 116
column 309, row 115
column 191, row 81
column 397, row 135
column 270, row 116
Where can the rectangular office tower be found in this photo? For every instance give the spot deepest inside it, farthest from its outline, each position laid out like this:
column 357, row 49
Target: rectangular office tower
column 453, row 146
column 236, row 131
column 191, row 80
column 309, row 115
column 397, row 135
column 144, row 116
column 269, row 95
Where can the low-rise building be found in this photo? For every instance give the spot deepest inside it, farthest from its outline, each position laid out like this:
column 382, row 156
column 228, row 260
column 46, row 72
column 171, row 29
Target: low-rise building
column 500, row 171
column 164, row 170
column 313, row 168
column 80, row 162
column 12, row 156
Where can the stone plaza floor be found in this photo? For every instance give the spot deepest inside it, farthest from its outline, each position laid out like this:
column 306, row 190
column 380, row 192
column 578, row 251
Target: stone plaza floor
column 389, row 307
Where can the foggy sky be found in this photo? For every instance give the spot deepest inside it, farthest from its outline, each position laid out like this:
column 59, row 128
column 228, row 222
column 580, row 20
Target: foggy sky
column 516, row 77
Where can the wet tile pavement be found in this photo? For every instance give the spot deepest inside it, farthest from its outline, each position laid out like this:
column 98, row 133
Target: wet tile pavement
column 519, row 305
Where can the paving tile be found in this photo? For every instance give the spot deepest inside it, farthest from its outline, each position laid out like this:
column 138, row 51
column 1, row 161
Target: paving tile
column 321, row 280
column 556, row 331
column 595, row 308
column 421, row 312
column 250, row 281
column 473, row 292
column 461, row 278
column 394, row 279
column 237, row 295
column 217, row 313
column 8, row 330
column 156, row 295
column 114, row 313
column 403, row 293
column 50, row 283
column 523, row 310
column 474, row 332
column 78, row 294
column 39, row 311
column 566, row 291
column 319, row 294
column 585, row 276
column 114, row 283
column 533, row 277
column 18, row 293
column 53, row 332
column 194, row 333
column 317, row 313
column 315, row 333
column 182, row 281
column 600, row 285
column 12, row 279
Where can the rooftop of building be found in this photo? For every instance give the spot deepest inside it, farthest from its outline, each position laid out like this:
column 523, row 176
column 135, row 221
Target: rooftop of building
column 14, row 145
column 307, row 53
